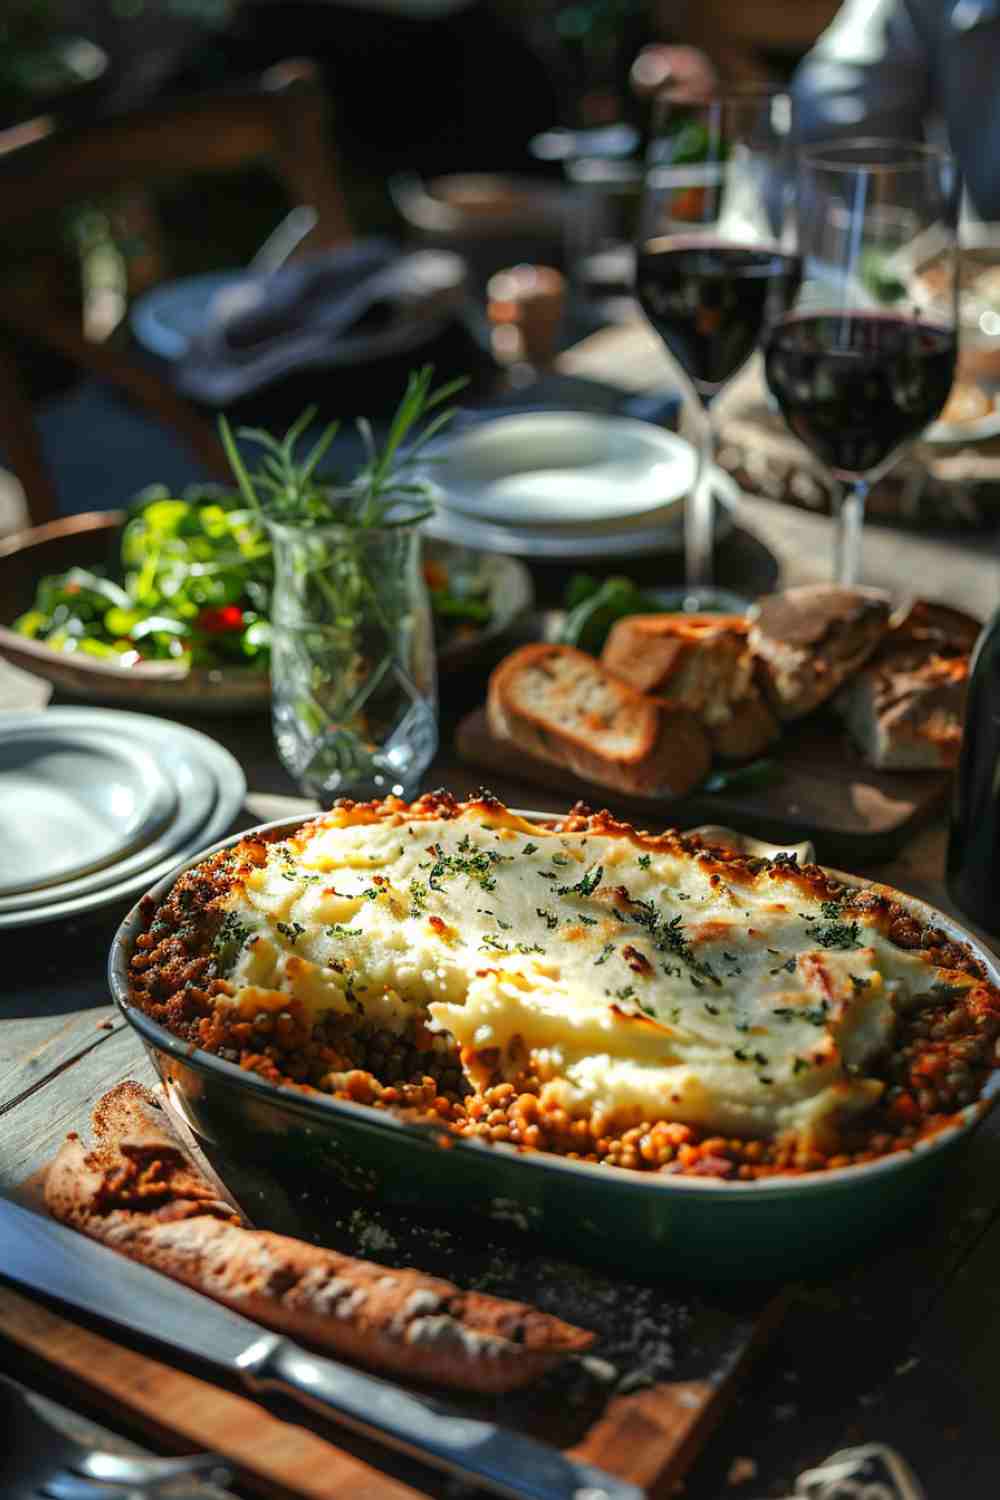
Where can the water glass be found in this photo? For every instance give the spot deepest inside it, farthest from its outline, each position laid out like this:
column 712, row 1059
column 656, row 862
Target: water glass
column 354, row 688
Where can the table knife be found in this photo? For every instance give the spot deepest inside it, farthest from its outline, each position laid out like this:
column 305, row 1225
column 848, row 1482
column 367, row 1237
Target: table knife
column 41, row 1255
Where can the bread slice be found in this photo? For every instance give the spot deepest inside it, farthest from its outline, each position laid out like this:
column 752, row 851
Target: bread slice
column 138, row 1192
column 809, row 640
column 908, row 719
column 702, row 662
column 905, row 708
column 561, row 704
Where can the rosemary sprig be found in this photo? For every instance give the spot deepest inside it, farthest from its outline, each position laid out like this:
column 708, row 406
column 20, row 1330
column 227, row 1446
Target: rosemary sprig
column 293, row 491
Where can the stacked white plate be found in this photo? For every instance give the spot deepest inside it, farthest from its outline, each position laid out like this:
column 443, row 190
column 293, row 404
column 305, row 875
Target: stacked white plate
column 568, row 485
column 96, row 805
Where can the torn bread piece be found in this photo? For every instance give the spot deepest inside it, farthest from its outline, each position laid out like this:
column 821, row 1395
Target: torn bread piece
column 809, row 640
column 701, row 662
column 906, row 708
column 138, row 1192
column 563, row 705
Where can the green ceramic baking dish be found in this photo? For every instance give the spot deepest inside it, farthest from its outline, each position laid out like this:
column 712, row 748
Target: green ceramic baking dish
column 642, row 1223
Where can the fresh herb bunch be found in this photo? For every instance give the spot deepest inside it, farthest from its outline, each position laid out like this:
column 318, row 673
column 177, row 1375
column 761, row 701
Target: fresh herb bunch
column 295, row 493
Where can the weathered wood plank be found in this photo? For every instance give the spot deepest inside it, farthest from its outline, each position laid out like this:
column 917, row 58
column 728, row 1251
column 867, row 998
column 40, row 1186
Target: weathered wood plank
column 32, row 1132
column 35, row 1050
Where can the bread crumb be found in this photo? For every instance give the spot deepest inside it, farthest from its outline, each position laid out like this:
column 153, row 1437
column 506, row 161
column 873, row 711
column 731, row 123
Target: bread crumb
column 741, row 1470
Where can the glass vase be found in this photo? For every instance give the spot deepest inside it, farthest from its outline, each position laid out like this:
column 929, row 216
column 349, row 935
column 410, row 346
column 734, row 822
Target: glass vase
column 354, row 692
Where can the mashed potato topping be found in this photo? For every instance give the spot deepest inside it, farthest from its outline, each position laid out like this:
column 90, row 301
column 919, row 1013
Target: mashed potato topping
column 636, row 979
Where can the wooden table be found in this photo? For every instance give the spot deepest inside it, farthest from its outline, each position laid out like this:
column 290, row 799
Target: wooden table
column 898, row 1349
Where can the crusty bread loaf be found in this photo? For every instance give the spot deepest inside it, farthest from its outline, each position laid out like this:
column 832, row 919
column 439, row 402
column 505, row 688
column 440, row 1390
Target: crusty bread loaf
column 905, row 708
column 809, row 640
column 138, row 1192
column 908, row 718
column 561, row 704
column 701, row 662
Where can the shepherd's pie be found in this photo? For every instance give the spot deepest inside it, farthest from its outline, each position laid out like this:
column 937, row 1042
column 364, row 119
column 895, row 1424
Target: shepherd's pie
column 575, row 986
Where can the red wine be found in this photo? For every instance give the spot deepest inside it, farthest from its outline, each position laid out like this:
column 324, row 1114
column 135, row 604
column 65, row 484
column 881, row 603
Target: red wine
column 707, row 300
column 854, row 386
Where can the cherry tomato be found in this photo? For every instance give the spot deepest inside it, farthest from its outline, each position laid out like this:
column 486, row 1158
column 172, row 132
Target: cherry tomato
column 219, row 621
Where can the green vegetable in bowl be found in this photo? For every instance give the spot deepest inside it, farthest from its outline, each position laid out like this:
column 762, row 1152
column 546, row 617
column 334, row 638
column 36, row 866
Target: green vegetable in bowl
column 192, row 582
column 193, row 586
column 593, row 607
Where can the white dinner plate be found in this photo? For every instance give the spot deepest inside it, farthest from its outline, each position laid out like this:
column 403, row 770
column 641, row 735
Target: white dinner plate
column 72, row 801
column 640, row 536
column 197, row 794
column 165, row 740
column 551, row 468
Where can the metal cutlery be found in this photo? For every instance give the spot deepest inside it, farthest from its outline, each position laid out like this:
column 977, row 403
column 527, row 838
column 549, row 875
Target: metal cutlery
column 47, row 1257
column 41, row 1460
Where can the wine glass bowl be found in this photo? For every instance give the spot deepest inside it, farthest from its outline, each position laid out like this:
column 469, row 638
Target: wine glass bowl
column 859, row 365
column 711, row 268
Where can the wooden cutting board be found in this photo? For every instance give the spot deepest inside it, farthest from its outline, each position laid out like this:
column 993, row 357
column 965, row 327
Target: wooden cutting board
column 853, row 813
column 690, row 1351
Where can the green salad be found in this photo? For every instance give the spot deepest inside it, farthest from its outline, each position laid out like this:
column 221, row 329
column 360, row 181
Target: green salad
column 192, row 584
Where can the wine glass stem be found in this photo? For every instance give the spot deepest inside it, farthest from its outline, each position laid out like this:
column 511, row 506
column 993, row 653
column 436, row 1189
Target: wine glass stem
column 699, row 512
column 847, row 553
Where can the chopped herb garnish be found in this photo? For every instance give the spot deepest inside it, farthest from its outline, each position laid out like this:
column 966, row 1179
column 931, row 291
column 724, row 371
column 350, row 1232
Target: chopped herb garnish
column 799, row 1065
column 338, row 930
column 713, row 1010
column 292, row 931
column 549, row 918
column 229, row 939
column 530, row 849
column 560, row 859
column 587, row 921
column 838, row 935
column 644, row 861
column 605, row 953
column 477, row 867
column 627, row 992
column 586, row 885
column 418, row 898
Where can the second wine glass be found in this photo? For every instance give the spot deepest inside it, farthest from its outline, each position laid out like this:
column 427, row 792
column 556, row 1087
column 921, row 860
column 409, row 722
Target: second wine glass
column 710, row 266
column 866, row 358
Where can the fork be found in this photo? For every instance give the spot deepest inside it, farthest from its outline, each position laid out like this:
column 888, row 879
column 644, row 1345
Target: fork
column 109, row 1476
column 54, row 1466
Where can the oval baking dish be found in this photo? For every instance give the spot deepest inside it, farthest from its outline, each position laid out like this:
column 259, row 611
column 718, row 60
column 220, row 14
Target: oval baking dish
column 645, row 1223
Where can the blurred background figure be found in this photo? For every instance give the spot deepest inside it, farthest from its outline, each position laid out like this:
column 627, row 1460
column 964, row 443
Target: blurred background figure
column 911, row 69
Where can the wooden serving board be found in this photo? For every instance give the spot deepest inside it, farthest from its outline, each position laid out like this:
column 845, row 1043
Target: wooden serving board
column 825, row 792
column 683, row 1352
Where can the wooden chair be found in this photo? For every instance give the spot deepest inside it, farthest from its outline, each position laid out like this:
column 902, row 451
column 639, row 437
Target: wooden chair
column 278, row 120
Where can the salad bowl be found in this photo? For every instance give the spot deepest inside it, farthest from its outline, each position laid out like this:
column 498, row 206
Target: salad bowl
column 90, row 541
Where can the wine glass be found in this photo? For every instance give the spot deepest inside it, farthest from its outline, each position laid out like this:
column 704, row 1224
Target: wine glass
column 710, row 265
column 865, row 358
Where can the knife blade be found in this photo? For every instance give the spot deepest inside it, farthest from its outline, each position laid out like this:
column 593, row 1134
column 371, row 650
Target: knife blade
column 41, row 1255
